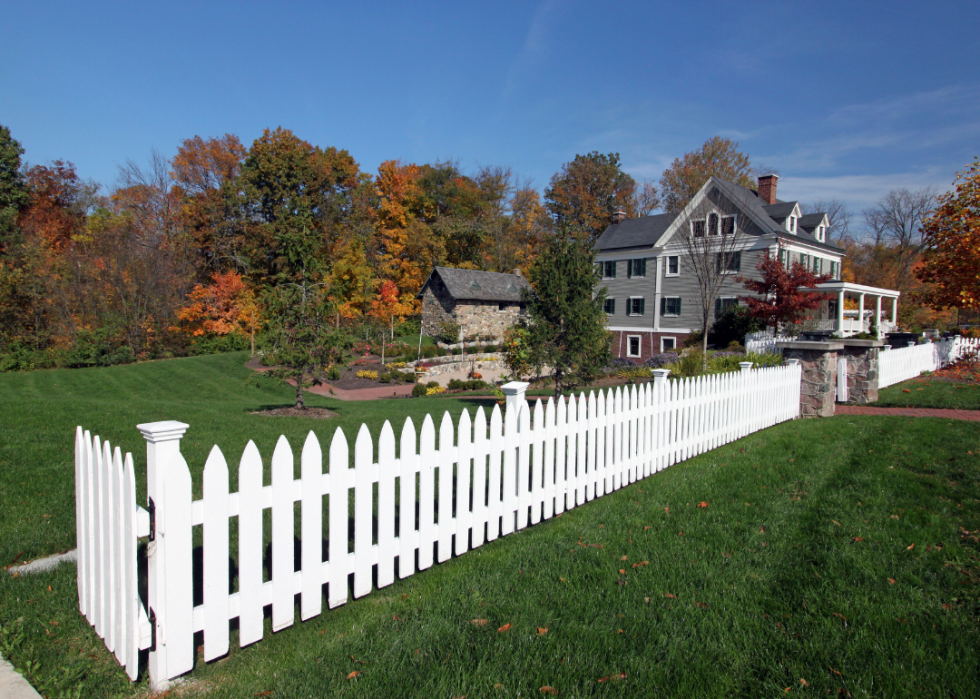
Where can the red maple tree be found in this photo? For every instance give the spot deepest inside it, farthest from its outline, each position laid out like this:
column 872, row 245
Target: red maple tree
column 783, row 295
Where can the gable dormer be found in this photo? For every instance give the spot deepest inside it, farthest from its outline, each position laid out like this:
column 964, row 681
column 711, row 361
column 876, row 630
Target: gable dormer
column 816, row 225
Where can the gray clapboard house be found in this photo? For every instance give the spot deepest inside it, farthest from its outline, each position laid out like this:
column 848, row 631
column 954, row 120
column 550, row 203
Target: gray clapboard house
column 653, row 299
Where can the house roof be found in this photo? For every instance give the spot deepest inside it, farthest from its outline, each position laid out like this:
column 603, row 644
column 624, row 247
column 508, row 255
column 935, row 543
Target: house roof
column 634, row 232
column 476, row 285
column 653, row 231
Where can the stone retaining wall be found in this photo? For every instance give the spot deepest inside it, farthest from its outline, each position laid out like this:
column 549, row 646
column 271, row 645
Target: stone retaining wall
column 478, row 365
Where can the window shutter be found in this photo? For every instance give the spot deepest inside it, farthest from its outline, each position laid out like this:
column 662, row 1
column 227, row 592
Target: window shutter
column 642, row 305
column 663, row 305
column 717, row 308
column 678, row 306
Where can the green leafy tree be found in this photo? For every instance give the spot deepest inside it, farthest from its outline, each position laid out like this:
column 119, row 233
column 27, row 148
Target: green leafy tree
column 301, row 336
column 718, row 157
column 13, row 191
column 565, row 316
column 294, row 200
column 587, row 192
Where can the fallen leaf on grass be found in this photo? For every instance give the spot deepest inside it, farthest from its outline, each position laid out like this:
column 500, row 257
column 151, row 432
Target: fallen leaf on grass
column 394, row 617
column 353, row 674
column 891, row 580
column 857, row 538
column 647, row 600
column 669, row 596
column 548, row 690
column 645, row 528
column 641, row 564
column 667, row 510
column 836, row 522
column 906, row 390
column 542, row 630
column 909, row 548
column 615, row 677
column 563, row 579
column 702, row 605
column 505, row 627
column 264, row 694
column 702, row 504
column 622, row 572
column 478, row 622
column 836, row 672
column 804, row 682
column 624, row 558
column 497, row 685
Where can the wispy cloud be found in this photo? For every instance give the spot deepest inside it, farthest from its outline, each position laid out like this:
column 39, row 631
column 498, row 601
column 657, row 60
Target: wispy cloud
column 534, row 49
column 860, row 191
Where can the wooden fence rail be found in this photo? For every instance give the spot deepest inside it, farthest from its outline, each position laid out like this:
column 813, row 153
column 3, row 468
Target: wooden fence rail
column 470, row 484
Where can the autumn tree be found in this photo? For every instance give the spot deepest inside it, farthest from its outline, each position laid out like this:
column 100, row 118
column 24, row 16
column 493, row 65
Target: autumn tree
column 385, row 307
column 204, row 170
column 565, row 318
column 13, row 192
column 352, row 280
column 587, row 192
column 718, row 157
column 225, row 306
column 951, row 237
column 292, row 198
column 525, row 232
column 783, row 295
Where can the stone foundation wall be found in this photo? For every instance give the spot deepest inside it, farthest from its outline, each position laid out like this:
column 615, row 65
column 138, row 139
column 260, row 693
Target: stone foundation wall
column 436, row 309
column 478, row 365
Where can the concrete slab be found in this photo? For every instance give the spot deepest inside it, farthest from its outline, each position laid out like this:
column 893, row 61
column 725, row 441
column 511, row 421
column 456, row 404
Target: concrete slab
column 42, row 564
column 13, row 685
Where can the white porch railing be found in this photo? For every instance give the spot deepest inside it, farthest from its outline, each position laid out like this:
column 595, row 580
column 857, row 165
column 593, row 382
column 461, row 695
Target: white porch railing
column 764, row 342
column 486, row 478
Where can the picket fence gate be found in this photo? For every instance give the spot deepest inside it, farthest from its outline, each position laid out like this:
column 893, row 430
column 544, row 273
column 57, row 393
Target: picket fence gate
column 764, row 342
column 484, row 479
column 897, row 365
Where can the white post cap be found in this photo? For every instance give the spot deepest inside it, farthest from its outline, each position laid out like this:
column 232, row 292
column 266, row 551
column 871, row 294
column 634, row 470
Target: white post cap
column 660, row 375
column 746, row 366
column 164, row 431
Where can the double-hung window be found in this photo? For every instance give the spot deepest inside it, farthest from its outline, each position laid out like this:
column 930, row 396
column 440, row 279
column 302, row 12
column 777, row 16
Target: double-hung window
column 636, row 306
column 610, row 307
column 673, row 265
column 633, row 345
column 784, row 258
column 698, row 227
column 636, row 268
column 723, row 303
column 670, row 306
column 607, row 269
column 729, row 262
column 728, row 225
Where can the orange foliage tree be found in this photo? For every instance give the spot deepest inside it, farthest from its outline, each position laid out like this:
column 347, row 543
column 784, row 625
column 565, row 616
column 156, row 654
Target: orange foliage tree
column 952, row 245
column 225, row 306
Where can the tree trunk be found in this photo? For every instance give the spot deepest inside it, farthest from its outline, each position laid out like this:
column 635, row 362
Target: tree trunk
column 704, row 348
column 558, row 382
column 299, row 389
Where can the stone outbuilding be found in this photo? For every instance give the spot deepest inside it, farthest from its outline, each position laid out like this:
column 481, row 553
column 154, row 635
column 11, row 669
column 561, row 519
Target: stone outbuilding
column 484, row 304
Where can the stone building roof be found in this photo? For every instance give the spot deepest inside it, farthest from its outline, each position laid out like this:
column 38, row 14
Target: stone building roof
column 474, row 285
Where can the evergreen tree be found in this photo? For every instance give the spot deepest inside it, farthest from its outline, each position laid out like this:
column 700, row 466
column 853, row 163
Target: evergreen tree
column 566, row 321
column 13, row 192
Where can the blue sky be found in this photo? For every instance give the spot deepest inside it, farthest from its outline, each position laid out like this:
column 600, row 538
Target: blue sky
column 844, row 99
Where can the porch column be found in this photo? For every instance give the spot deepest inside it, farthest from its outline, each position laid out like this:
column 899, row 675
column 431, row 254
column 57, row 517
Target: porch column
column 895, row 312
column 878, row 316
column 861, row 314
column 840, row 312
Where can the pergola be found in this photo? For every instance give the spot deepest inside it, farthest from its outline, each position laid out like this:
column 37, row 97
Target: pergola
column 845, row 289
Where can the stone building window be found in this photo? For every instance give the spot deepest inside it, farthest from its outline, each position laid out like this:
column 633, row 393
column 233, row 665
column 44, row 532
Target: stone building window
column 502, row 305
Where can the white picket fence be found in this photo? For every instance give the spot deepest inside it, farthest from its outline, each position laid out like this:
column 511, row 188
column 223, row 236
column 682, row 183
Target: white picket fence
column 480, row 480
column 763, row 342
column 897, row 365
column 107, row 524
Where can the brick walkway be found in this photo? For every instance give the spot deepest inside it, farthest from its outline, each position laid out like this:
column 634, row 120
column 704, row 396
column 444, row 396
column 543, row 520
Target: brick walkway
column 374, row 393
column 969, row 415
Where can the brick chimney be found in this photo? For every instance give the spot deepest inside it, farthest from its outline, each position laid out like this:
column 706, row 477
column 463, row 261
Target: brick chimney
column 619, row 215
column 767, row 188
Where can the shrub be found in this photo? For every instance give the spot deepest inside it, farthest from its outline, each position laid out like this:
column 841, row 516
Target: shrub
column 396, row 365
column 471, row 385
column 385, row 378
column 333, row 372
column 620, row 362
column 367, row 374
column 410, row 327
column 658, row 361
column 490, row 348
column 435, row 390
column 432, row 384
column 418, row 390
column 733, row 325
column 636, row 372
column 448, row 332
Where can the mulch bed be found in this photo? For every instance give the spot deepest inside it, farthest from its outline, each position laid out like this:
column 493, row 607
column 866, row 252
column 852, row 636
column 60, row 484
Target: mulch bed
column 316, row 413
column 348, row 377
column 963, row 371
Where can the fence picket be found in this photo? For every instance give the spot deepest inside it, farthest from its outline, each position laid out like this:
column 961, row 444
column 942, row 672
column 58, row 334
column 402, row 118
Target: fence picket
column 131, row 598
column 463, row 490
column 311, row 527
column 480, row 476
column 215, row 558
column 427, row 463
column 407, row 533
column 338, row 544
column 447, row 459
column 363, row 506
column 250, row 546
column 388, row 471
column 495, row 480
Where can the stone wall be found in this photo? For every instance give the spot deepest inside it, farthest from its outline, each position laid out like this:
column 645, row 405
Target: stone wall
column 819, row 388
column 478, row 318
column 862, row 370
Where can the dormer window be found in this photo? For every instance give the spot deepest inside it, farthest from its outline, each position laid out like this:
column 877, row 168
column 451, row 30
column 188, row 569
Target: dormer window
column 820, row 233
column 791, row 224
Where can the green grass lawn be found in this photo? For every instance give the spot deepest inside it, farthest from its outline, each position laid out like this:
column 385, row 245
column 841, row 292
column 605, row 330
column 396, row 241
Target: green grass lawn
column 835, row 557
column 926, row 392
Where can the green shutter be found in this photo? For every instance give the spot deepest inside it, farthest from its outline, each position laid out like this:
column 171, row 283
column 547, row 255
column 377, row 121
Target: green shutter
column 642, row 304
column 678, row 306
column 663, row 305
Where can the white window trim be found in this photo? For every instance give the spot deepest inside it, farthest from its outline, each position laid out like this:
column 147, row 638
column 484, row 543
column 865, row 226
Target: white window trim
column 603, row 263
column 733, row 271
column 629, row 269
column 629, row 307
column 693, row 221
column 667, row 272
column 670, row 337
column 722, row 298
column 639, row 349
column 666, row 313
column 613, row 299
column 721, row 227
